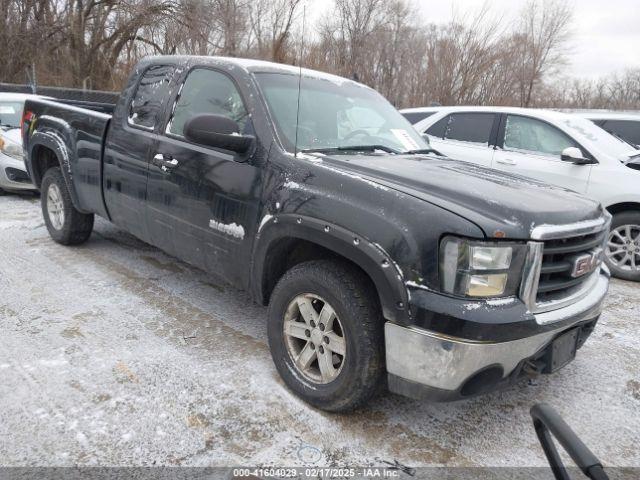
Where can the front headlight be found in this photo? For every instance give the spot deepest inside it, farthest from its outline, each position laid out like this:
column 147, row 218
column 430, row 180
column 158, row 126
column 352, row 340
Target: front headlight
column 10, row 148
column 473, row 268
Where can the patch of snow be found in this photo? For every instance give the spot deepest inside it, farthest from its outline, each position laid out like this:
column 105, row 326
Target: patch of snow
column 293, row 185
column 232, row 229
column 356, row 177
column 501, row 301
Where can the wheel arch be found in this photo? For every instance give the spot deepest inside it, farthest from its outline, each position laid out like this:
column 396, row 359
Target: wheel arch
column 45, row 152
column 623, row 207
column 288, row 240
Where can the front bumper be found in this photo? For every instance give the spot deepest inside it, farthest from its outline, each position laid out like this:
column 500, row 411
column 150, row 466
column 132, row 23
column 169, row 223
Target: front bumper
column 13, row 174
column 435, row 366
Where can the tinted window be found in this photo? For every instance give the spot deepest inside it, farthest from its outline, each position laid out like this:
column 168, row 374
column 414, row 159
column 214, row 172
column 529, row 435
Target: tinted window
column 437, row 129
column 470, row 127
column 152, row 91
column 626, row 129
column 207, row 91
column 524, row 133
column 415, row 117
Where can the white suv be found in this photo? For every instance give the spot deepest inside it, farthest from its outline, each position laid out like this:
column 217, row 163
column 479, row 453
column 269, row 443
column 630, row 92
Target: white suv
column 625, row 125
column 557, row 148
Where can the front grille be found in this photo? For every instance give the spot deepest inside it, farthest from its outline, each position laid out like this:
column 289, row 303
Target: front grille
column 556, row 281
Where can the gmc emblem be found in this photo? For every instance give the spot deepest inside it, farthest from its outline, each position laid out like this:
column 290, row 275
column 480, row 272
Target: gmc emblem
column 586, row 263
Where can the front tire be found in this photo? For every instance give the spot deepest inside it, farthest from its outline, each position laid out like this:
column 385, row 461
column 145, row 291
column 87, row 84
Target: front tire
column 65, row 224
column 622, row 252
column 326, row 335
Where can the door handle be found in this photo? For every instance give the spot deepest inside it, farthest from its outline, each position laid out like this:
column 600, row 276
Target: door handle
column 165, row 164
column 506, row 161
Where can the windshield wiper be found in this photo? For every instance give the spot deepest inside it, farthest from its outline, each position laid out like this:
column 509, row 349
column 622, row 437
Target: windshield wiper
column 353, row 148
column 622, row 139
column 424, row 150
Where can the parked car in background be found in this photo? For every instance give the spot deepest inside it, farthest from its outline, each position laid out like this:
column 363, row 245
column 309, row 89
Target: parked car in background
column 381, row 261
column 13, row 173
column 557, row 148
column 625, row 125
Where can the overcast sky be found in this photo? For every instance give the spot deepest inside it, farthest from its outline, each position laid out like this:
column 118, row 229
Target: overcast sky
column 605, row 39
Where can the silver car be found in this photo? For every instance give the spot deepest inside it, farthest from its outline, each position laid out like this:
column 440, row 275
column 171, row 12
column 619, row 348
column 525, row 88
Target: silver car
column 13, row 174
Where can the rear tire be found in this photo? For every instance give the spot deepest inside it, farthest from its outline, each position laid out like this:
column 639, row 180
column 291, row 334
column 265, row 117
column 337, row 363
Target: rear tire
column 622, row 252
column 349, row 340
column 65, row 224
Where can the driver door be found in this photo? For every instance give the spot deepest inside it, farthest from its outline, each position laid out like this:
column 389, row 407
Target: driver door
column 203, row 201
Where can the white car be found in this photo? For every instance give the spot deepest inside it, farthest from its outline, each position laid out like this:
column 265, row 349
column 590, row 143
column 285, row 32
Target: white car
column 557, row 148
column 13, row 174
column 625, row 125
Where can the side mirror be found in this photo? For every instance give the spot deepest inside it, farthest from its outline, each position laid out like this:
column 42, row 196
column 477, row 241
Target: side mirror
column 574, row 155
column 216, row 131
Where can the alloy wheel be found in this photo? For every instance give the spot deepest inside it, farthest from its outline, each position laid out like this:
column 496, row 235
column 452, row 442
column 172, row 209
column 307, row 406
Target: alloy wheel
column 55, row 206
column 623, row 247
column 314, row 338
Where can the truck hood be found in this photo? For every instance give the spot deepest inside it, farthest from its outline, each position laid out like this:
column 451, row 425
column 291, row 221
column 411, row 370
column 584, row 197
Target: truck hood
column 494, row 201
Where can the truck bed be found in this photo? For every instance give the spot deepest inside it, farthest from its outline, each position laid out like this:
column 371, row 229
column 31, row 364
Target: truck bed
column 76, row 135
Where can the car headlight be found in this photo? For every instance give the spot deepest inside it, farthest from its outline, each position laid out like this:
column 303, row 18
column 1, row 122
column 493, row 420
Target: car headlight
column 10, row 148
column 473, row 268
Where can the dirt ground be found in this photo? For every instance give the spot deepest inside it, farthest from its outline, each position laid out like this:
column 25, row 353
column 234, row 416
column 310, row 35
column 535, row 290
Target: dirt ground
column 113, row 353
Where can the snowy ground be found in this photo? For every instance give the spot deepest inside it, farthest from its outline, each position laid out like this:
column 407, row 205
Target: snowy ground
column 113, row 353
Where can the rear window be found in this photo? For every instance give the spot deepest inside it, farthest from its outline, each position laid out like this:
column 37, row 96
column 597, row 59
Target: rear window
column 470, row 127
column 415, row 117
column 150, row 96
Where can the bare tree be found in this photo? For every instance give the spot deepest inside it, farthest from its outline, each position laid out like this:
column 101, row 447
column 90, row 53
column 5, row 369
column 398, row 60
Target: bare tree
column 541, row 43
column 272, row 22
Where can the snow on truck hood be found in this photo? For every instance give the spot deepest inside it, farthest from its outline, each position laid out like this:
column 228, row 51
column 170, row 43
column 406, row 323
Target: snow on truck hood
column 492, row 199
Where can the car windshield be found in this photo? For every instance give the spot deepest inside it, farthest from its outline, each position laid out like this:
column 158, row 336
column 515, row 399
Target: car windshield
column 10, row 113
column 344, row 116
column 586, row 131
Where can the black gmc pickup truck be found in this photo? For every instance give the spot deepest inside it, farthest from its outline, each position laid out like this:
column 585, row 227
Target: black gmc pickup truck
column 381, row 261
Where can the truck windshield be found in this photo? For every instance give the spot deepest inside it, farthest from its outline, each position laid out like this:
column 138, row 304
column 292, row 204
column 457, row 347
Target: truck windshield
column 10, row 113
column 335, row 115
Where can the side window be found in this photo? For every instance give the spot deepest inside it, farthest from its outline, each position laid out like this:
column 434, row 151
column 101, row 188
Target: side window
column 470, row 127
column 207, row 91
column 437, row 129
column 524, row 133
column 149, row 98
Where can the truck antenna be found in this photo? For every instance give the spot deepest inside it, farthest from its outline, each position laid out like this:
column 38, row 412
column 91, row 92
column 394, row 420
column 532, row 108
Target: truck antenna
column 304, row 17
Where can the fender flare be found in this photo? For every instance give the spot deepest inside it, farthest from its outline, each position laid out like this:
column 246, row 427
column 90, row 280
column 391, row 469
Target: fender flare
column 52, row 140
column 385, row 274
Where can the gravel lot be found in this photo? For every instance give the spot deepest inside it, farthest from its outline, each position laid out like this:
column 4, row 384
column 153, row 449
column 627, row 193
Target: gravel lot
column 113, row 353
